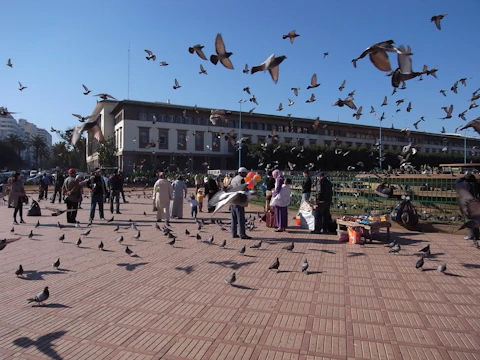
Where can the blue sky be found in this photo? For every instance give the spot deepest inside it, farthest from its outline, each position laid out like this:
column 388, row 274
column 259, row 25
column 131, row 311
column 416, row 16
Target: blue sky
column 56, row 46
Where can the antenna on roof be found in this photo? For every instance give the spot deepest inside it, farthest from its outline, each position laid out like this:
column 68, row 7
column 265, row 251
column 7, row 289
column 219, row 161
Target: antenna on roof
column 128, row 74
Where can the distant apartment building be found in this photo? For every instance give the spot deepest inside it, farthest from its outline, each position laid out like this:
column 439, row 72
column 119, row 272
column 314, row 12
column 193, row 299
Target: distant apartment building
column 25, row 130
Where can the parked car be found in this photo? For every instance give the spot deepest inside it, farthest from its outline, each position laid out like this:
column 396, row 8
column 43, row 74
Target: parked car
column 33, row 173
column 34, row 180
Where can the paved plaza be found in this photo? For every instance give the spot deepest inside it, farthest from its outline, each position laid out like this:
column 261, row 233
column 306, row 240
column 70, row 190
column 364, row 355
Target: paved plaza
column 357, row 302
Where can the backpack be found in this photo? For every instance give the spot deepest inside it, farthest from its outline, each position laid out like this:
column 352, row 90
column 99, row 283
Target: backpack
column 34, row 209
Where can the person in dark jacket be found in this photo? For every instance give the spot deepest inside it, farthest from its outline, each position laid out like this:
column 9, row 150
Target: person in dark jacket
column 270, row 184
column 98, row 191
column 115, row 185
column 59, row 179
column 306, row 187
column 211, row 188
column 323, row 202
column 470, row 183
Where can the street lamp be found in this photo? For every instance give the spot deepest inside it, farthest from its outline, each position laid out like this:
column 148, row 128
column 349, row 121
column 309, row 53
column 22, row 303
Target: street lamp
column 241, row 101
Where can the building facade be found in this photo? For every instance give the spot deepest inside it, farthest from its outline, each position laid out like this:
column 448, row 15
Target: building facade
column 177, row 136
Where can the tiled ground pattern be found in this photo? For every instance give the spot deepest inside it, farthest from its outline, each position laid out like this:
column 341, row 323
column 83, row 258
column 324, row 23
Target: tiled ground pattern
column 358, row 302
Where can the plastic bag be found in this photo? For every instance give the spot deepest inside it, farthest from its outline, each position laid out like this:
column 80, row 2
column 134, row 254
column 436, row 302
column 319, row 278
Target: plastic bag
column 307, row 219
column 354, row 235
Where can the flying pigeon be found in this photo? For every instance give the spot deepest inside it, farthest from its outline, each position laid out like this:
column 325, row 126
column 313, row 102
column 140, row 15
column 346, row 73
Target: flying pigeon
column 436, row 19
column 93, row 127
column 9, row 63
column 272, row 65
column 177, row 85
column 222, row 54
column 202, row 70
column 105, row 96
column 291, row 35
column 313, row 82
column 222, row 198
column 404, row 71
column 87, row 91
column 198, row 50
column 21, row 87
column 150, row 55
column 378, row 55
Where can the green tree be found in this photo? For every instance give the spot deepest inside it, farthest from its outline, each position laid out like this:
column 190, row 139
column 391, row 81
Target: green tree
column 16, row 143
column 107, row 153
column 77, row 155
column 8, row 156
column 61, row 154
column 40, row 149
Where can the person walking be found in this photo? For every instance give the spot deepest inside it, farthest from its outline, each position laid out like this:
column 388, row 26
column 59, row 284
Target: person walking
column 470, row 183
column 43, row 187
column 198, row 181
column 115, row 185
column 306, row 187
column 162, row 195
column 96, row 184
column 211, row 188
column 16, row 198
column 200, row 197
column 179, row 193
column 323, row 201
column 270, row 187
column 238, row 212
column 58, row 185
column 281, row 202
column 122, row 191
column 73, row 195
column 193, row 206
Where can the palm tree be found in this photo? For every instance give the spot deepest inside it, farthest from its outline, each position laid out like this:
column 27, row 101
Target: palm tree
column 60, row 154
column 40, row 149
column 16, row 143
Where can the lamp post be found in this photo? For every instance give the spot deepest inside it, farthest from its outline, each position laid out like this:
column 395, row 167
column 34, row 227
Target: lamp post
column 241, row 101
column 380, row 146
column 465, row 147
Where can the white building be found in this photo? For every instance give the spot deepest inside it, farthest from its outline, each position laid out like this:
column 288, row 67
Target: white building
column 183, row 137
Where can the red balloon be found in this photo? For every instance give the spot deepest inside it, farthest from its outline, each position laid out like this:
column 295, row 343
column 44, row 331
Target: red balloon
column 251, row 185
column 251, row 175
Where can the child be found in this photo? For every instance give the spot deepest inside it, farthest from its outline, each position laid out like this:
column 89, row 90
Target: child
column 200, row 197
column 194, row 206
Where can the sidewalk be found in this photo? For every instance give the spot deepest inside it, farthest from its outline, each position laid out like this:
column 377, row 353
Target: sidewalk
column 358, row 302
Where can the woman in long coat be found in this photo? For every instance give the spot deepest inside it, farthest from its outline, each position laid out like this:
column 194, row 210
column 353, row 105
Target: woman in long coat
column 15, row 199
column 162, row 195
column 179, row 193
column 280, row 219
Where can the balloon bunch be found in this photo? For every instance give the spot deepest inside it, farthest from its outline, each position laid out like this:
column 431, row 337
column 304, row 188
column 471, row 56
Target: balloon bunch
column 252, row 179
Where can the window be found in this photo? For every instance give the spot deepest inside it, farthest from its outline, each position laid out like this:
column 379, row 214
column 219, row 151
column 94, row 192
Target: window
column 181, row 140
column 261, row 139
column 150, row 117
column 120, row 138
column 163, row 138
column 301, row 142
column 312, row 142
column 254, row 125
column 245, row 124
column 144, row 137
column 215, row 143
column 288, row 140
column 199, row 141
column 143, row 116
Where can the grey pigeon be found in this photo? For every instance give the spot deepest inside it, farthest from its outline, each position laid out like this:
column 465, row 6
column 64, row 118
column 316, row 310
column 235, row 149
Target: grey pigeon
column 231, row 279
column 172, row 242
column 378, row 55
column 223, row 244
column 41, row 296
column 289, row 247
column 436, row 19
column 442, row 268
column 419, row 263
column 86, row 233
column 128, row 251
column 242, row 250
column 120, row 239
column 305, row 266
column 222, row 54
column 291, row 35
column 56, row 264
column 62, row 237
column 100, row 246
column 275, row 265
column 404, row 71
column 272, row 65
column 79, row 242
column 93, row 127
column 257, row 245
column 19, row 271
column 198, row 50
column 395, row 249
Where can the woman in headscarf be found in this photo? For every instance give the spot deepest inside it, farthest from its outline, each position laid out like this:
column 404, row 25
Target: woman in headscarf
column 17, row 194
column 280, row 207
column 179, row 193
column 162, row 195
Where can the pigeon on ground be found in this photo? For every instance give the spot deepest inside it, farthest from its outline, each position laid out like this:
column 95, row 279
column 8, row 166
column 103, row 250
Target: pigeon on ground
column 222, row 54
column 305, row 266
column 272, row 65
column 101, row 246
column 395, row 249
column 242, row 250
column 289, row 247
column 172, row 242
column 79, row 242
column 275, row 265
column 442, row 268
column 41, row 296
column 128, row 251
column 120, row 239
column 419, row 263
column 231, row 279
column 56, row 264
column 223, row 244
column 257, row 245
column 187, row 232
column 19, row 271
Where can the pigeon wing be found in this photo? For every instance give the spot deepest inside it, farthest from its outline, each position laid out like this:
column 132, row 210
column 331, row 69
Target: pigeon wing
column 227, row 63
column 225, row 199
column 219, row 45
column 380, row 60
column 274, row 72
column 314, row 79
column 201, row 54
column 97, row 133
column 76, row 134
column 404, row 61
